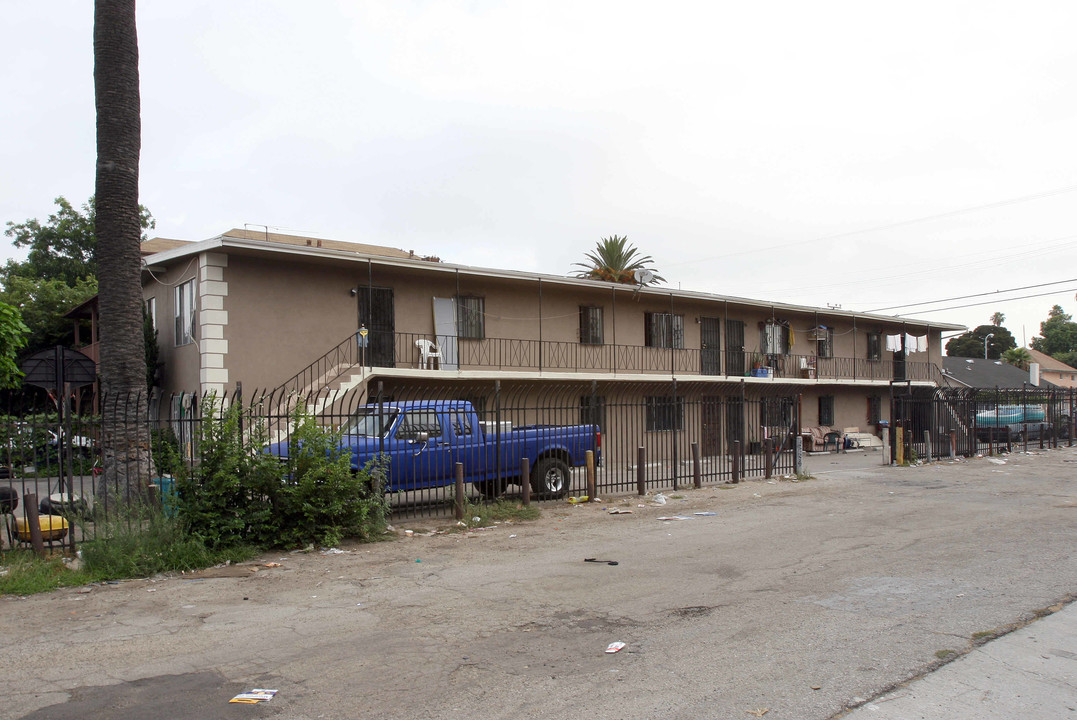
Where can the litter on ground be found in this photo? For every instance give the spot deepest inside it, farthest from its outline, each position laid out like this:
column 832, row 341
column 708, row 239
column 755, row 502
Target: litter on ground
column 615, row 647
column 256, row 695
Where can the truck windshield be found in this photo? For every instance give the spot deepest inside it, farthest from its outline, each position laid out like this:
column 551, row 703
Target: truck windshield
column 370, row 422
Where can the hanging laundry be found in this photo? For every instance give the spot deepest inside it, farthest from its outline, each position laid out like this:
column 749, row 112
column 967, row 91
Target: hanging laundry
column 893, row 343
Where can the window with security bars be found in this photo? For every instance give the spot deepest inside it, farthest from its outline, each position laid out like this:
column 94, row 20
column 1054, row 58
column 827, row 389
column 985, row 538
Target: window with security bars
column 471, row 317
column 875, row 409
column 590, row 325
column 664, row 330
column 824, row 342
column 774, row 339
column 776, row 412
column 664, row 413
column 826, row 410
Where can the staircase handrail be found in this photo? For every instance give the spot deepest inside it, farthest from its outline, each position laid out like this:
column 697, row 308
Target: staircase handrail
column 338, row 351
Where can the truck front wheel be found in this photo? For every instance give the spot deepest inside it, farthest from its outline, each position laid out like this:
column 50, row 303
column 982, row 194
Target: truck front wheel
column 550, row 478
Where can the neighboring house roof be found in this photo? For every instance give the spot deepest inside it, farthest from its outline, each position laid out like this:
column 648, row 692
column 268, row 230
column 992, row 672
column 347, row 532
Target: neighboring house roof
column 1049, row 363
column 977, row 372
column 156, row 245
column 268, row 243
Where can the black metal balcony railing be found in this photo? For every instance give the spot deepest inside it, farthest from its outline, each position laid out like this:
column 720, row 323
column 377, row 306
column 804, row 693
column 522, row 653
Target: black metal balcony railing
column 400, row 350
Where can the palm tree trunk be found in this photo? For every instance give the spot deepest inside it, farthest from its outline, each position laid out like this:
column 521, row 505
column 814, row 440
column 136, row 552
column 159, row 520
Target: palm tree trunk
column 122, row 368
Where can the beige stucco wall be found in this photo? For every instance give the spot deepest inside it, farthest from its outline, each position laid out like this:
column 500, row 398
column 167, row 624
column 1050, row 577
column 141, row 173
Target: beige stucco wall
column 181, row 364
column 264, row 318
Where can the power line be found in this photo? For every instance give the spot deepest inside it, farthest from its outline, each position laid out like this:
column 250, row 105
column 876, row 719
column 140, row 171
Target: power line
column 900, row 223
column 966, row 297
column 989, row 302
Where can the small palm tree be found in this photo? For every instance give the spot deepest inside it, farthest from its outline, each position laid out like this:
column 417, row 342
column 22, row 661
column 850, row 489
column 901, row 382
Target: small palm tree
column 997, row 319
column 614, row 260
column 1018, row 357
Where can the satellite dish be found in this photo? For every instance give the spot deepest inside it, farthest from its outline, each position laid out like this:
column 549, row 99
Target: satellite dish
column 643, row 276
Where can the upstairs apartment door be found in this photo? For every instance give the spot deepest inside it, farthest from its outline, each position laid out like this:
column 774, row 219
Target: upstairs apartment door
column 734, row 347
column 710, row 343
column 376, row 314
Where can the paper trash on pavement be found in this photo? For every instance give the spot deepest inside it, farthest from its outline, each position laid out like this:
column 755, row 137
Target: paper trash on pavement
column 256, row 695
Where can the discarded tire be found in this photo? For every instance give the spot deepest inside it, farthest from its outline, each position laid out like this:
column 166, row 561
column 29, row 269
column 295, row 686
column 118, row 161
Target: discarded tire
column 9, row 499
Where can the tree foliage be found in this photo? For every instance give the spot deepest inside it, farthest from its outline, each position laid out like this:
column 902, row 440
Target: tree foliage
column 59, row 272
column 971, row 344
column 12, row 338
column 63, row 247
column 1018, row 357
column 43, row 302
column 614, row 260
column 1058, row 334
column 997, row 319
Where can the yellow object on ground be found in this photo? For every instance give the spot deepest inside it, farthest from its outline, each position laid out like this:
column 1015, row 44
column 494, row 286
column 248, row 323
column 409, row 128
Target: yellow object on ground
column 53, row 527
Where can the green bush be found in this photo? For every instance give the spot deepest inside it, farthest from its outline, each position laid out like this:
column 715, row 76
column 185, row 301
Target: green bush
column 225, row 498
column 236, row 493
column 323, row 500
column 166, row 452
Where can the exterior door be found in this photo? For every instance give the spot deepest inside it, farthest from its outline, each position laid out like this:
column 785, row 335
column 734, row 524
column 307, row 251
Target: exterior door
column 710, row 343
column 376, row 314
column 734, row 347
column 415, row 463
column 711, row 421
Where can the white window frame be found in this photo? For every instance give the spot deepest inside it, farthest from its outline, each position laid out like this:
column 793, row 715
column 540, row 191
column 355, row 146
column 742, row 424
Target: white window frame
column 185, row 313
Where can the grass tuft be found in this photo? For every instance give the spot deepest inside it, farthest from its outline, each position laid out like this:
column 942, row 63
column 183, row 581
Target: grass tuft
column 24, row 573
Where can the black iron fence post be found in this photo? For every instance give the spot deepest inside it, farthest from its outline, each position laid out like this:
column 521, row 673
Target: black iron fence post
column 678, row 411
column 590, row 461
column 641, row 472
column 458, row 505
column 697, row 467
column 525, row 480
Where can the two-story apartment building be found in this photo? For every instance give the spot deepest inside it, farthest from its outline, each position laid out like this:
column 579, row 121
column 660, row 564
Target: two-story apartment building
column 275, row 311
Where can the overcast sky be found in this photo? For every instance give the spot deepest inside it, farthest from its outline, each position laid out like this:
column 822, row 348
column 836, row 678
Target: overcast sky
column 854, row 153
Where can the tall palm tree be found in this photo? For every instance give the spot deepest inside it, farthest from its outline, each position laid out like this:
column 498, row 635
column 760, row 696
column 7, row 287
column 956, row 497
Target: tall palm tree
column 997, row 319
column 122, row 368
column 614, row 260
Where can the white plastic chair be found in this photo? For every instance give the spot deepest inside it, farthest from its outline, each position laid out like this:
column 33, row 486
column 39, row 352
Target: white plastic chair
column 428, row 350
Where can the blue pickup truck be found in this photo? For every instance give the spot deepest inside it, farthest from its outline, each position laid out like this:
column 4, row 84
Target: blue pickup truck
column 423, row 441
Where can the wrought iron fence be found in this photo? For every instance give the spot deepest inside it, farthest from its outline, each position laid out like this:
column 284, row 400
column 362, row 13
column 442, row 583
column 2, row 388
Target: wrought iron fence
column 654, row 436
column 659, row 435
column 969, row 421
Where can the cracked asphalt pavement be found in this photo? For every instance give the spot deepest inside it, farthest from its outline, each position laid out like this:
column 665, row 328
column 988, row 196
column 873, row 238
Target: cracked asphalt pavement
column 801, row 599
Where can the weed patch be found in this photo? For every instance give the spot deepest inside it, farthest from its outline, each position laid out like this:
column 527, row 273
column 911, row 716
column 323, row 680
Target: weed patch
column 24, row 573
